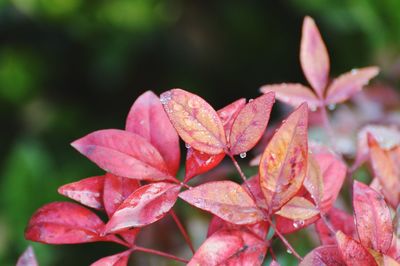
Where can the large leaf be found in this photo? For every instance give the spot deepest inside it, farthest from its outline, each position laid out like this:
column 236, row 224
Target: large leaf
column 230, row 247
column 146, row 205
column 314, row 57
column 64, row 223
column 250, row 123
column 27, row 258
column 88, row 191
column 373, row 219
column 348, row 84
column 120, row 259
column 323, row 255
column 196, row 122
column 148, row 119
column 298, row 208
column 283, row 164
column 293, row 94
column 353, row 253
column 123, row 153
column 226, row 200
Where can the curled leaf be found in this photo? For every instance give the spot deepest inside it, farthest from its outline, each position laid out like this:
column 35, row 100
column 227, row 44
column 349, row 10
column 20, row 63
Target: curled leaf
column 196, row 122
column 148, row 119
column 226, row 200
column 250, row 124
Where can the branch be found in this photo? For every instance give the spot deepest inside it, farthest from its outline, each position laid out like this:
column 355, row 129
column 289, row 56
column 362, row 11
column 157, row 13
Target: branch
column 159, row 253
column 183, row 231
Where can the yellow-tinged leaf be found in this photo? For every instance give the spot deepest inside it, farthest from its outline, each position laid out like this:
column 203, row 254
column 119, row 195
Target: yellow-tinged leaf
column 298, row 208
column 313, row 181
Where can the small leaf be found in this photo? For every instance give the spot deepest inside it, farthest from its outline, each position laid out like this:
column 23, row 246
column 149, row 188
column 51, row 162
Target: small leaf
column 250, row 124
column 314, row 57
column 298, row 208
column 148, row 119
column 314, row 182
column 230, row 247
column 116, row 190
column 339, row 220
column 120, row 259
column 348, row 84
column 124, row 154
column 27, row 258
column 196, row 122
column 64, row 223
column 352, row 252
column 198, row 162
column 293, row 94
column 373, row 219
column 229, row 113
column 88, row 191
column 146, row 205
column 283, row 164
column 323, row 255
column 226, row 200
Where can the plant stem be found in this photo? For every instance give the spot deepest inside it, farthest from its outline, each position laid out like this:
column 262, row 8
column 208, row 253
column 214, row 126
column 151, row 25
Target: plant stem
column 182, row 229
column 120, row 241
column 159, row 253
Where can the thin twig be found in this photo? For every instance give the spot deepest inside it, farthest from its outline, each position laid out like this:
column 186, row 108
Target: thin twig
column 182, row 229
column 159, row 253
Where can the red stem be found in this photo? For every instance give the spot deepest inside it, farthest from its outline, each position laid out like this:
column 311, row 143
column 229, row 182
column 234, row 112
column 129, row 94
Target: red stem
column 159, row 253
column 182, row 229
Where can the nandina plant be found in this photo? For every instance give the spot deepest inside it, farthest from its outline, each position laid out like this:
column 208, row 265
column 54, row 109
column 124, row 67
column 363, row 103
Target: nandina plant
column 297, row 184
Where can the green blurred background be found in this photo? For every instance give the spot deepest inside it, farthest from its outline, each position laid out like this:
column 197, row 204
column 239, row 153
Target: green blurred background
column 69, row 67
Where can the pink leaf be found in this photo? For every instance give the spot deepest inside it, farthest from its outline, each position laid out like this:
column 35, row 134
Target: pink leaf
column 64, row 223
column 226, row 200
column 374, row 223
column 124, row 154
column 293, row 94
column 348, row 84
column 283, row 164
column 120, row 259
column 27, row 258
column 314, row 57
column 229, row 113
column 87, row 191
column 148, row 119
column 196, row 122
column 250, row 124
column 352, row 252
column 323, row 255
column 230, row 247
column 198, row 162
column 339, row 220
column 146, row 205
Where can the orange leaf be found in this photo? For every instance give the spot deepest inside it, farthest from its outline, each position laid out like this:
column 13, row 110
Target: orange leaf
column 196, row 122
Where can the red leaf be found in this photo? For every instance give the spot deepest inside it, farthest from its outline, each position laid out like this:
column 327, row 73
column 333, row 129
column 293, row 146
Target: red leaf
column 198, row 162
column 348, row 84
column 87, row 191
column 352, row 252
column 196, row 122
column 283, row 164
column 298, row 208
column 148, row 119
column 314, row 57
column 120, row 259
column 124, row 154
column 64, row 223
column 230, row 247
column 324, row 255
column 27, row 258
column 116, row 190
column 339, row 220
column 146, row 205
column 250, row 124
column 293, row 94
column 226, row 200
column 259, row 229
column 288, row 226
column 374, row 223
column 229, row 113
column 386, row 169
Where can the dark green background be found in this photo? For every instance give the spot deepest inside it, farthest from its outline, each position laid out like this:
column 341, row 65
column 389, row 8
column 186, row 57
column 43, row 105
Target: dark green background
column 69, row 67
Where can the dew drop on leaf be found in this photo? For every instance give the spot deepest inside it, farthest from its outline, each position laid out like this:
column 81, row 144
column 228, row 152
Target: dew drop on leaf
column 187, row 146
column 243, row 155
column 331, row 107
column 289, row 251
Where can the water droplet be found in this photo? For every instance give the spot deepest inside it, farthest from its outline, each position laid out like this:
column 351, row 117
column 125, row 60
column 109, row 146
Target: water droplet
column 313, row 108
column 354, row 71
column 243, row 155
column 332, row 106
column 251, row 100
column 187, row 146
column 298, row 223
column 165, row 97
column 289, row 251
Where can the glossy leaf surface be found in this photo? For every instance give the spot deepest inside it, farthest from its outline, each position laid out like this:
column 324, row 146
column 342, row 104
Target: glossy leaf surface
column 198, row 162
column 353, row 253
